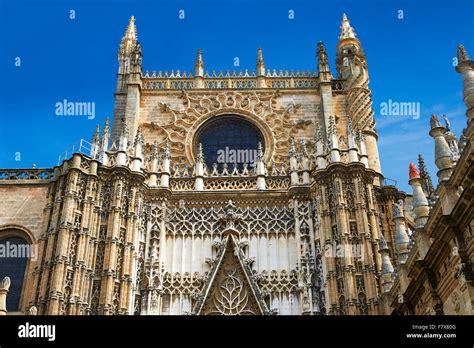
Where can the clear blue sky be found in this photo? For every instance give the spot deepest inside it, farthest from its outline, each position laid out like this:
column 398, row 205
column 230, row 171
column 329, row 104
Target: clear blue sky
column 409, row 59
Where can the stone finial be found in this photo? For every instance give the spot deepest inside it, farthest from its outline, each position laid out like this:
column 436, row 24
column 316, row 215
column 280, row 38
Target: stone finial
column 434, row 121
column 346, row 30
column 260, row 152
column 5, row 283
column 139, row 139
column 304, row 151
column 155, row 153
column 260, row 67
column 106, row 126
column 95, row 138
column 260, row 60
column 318, row 135
column 413, row 172
column 360, row 136
column 199, row 65
column 104, row 140
column 332, row 130
column 4, row 288
column 292, row 148
column 95, row 143
column 462, row 54
column 166, row 151
column 199, row 60
column 322, row 54
column 124, row 128
column 200, row 154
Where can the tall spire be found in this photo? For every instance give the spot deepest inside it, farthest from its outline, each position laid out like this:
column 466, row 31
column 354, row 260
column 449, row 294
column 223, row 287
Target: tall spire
column 129, row 39
column 260, row 63
column 346, row 30
column 199, row 65
column 131, row 32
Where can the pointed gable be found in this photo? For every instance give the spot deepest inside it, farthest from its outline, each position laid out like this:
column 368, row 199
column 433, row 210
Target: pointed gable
column 230, row 290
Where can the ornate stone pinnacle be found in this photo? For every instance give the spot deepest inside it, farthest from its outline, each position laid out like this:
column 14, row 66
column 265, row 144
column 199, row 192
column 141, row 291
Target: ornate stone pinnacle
column 260, row 57
column 413, row 172
column 322, row 55
column 346, row 30
column 106, row 127
column 155, row 150
column 462, row 54
column 139, row 139
column 200, row 153
column 95, row 138
column 360, row 136
column 304, row 152
column 131, row 32
column 230, row 216
column 318, row 136
column 424, row 174
column 166, row 151
column 332, row 125
column 260, row 152
column 5, row 283
column 124, row 128
column 199, row 60
column 350, row 129
column 291, row 148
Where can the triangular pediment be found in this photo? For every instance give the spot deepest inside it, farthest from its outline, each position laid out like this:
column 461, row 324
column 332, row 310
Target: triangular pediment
column 230, row 289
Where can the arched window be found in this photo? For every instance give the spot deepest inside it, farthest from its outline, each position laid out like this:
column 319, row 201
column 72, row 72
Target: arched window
column 229, row 139
column 13, row 260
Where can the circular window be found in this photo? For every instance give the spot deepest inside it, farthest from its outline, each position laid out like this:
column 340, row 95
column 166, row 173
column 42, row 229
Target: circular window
column 229, row 139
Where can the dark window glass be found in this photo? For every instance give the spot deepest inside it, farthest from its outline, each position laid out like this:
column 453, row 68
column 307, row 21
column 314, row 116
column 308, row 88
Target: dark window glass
column 229, row 139
column 14, row 267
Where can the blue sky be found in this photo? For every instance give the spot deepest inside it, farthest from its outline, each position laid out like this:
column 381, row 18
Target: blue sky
column 409, row 60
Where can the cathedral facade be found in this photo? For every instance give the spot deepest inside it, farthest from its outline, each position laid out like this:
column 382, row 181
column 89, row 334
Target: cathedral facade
column 242, row 193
